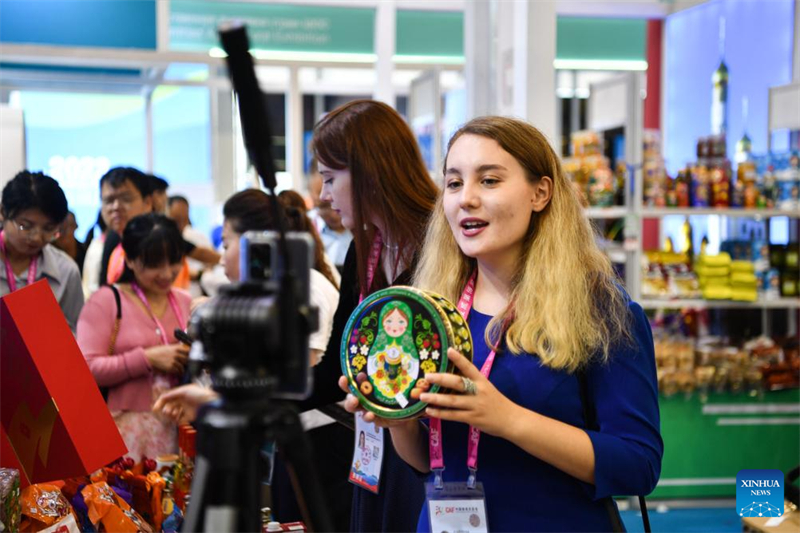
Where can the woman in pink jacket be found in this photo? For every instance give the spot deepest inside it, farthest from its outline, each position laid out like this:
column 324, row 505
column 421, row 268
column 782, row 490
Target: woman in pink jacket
column 142, row 359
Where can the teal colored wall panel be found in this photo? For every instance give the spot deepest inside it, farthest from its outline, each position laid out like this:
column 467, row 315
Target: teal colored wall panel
column 422, row 33
column 276, row 27
column 96, row 23
column 601, row 38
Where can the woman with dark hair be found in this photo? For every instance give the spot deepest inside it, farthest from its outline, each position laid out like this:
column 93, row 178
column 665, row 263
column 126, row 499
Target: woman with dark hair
column 138, row 357
column 374, row 177
column 252, row 210
column 296, row 208
column 33, row 207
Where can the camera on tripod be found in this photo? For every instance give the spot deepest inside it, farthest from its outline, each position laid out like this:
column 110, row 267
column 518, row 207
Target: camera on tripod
column 247, row 349
column 253, row 338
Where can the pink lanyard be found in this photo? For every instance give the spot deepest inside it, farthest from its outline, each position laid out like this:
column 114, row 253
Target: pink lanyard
column 173, row 302
column 374, row 258
column 435, row 435
column 12, row 281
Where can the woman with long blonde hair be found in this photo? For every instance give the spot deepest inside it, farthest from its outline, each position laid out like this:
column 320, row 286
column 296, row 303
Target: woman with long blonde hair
column 560, row 401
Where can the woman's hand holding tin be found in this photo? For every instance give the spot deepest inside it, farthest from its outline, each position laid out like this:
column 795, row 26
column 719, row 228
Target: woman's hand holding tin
column 480, row 405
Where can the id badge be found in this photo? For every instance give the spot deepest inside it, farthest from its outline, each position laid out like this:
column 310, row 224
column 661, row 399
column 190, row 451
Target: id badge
column 365, row 470
column 457, row 508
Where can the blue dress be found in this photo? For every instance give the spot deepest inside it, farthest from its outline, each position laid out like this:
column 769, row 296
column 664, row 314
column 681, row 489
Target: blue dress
column 524, row 493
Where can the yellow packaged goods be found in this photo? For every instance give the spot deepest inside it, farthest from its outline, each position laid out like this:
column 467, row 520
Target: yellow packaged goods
column 747, row 279
column 743, row 266
column 720, row 260
column 715, row 281
column 743, row 294
column 717, row 292
column 710, row 271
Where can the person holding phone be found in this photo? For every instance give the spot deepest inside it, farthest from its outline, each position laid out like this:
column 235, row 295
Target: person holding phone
column 138, row 357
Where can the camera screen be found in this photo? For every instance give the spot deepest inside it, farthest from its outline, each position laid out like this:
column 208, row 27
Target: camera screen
column 260, row 266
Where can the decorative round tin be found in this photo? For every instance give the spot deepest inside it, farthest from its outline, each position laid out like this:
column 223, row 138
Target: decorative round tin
column 393, row 338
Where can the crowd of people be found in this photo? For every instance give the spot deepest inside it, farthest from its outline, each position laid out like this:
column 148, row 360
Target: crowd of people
column 562, row 388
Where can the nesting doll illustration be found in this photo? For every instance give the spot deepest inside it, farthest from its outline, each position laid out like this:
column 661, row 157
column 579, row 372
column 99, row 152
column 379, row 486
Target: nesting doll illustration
column 393, row 363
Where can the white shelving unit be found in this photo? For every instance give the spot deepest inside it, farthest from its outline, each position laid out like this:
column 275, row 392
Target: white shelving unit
column 634, row 211
column 758, row 214
column 607, row 212
column 778, row 303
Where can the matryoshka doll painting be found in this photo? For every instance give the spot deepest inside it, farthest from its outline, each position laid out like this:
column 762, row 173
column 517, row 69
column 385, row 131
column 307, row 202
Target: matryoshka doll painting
column 393, row 338
column 393, row 362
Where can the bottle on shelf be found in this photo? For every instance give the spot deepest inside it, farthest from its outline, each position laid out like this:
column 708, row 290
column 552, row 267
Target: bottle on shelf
column 719, row 96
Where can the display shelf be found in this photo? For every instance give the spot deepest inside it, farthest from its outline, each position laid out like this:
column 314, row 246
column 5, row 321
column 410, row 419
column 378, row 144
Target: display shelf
column 607, row 212
column 660, row 212
column 614, row 250
column 777, row 303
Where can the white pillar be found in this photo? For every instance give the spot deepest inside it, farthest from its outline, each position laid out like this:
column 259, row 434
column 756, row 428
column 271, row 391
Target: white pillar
column 223, row 144
column 149, row 153
column 294, row 131
column 534, row 74
column 504, row 58
column 385, row 31
column 796, row 65
column 162, row 25
column 478, row 57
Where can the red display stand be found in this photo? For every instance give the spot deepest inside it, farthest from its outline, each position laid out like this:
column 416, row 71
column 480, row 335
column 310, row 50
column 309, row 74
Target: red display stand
column 55, row 423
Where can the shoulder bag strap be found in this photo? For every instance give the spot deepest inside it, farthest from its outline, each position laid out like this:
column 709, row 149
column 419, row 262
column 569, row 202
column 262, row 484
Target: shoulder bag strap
column 117, row 319
column 590, row 417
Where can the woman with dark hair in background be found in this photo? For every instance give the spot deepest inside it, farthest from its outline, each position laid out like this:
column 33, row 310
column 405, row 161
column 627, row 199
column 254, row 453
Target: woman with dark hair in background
column 296, row 207
column 252, row 210
column 33, row 207
column 374, row 177
column 138, row 358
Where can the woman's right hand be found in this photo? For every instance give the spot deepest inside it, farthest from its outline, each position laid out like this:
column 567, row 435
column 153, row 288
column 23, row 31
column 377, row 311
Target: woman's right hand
column 352, row 405
column 170, row 359
column 181, row 403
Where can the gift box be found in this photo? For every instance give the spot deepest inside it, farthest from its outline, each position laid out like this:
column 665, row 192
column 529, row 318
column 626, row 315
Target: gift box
column 55, row 421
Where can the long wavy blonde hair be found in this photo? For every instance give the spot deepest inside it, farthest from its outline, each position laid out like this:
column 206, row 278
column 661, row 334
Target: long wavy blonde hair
column 567, row 303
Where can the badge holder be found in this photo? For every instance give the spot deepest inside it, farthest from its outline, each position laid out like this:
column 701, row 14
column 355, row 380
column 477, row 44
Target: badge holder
column 455, row 506
column 365, row 469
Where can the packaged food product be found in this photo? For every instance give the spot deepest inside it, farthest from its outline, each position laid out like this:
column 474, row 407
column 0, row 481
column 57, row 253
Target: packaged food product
column 107, row 508
column 9, row 499
column 42, row 505
column 392, row 339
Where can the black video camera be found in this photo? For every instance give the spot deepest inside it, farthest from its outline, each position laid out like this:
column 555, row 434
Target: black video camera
column 254, row 334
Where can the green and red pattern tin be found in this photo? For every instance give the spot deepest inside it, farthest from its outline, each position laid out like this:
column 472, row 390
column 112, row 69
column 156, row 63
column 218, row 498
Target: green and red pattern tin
column 393, row 338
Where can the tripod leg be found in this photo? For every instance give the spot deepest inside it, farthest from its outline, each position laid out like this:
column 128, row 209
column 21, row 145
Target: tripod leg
column 297, row 449
column 194, row 517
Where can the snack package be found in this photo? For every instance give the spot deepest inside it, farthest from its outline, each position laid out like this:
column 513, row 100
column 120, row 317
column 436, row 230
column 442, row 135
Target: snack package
column 82, row 512
column 42, row 505
column 146, row 492
column 9, row 499
column 107, row 508
column 68, row 524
